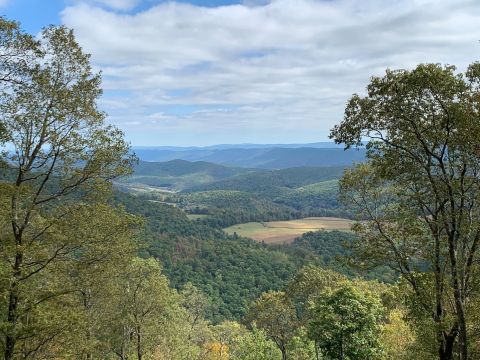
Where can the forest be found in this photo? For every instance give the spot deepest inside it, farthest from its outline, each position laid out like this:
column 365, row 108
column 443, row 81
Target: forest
column 91, row 269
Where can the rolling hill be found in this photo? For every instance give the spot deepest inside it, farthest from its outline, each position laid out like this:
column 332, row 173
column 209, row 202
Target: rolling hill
column 180, row 174
column 273, row 183
column 232, row 195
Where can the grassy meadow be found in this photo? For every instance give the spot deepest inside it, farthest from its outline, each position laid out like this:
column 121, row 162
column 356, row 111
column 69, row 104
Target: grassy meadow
column 278, row 232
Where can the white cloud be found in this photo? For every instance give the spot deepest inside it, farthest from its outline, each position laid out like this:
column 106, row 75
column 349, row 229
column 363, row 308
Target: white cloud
column 278, row 72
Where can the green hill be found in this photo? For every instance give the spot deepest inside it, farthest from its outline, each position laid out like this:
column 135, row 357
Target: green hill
column 180, row 174
column 273, row 183
column 310, row 197
column 228, row 207
column 231, row 270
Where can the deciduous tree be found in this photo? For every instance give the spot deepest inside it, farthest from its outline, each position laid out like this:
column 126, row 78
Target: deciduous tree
column 420, row 191
column 345, row 324
column 274, row 313
column 60, row 151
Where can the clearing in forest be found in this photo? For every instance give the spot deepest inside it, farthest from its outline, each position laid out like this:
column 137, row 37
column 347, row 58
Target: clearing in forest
column 278, row 232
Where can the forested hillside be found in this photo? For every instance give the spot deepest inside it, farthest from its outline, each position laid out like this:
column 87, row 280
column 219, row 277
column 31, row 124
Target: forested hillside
column 180, row 174
column 236, row 195
column 230, row 270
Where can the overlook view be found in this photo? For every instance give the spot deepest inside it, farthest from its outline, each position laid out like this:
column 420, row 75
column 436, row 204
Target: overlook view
column 240, row 179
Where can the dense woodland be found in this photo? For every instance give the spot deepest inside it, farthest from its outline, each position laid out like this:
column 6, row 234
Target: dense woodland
column 90, row 272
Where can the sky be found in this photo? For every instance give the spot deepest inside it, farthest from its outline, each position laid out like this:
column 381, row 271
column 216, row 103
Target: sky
column 250, row 71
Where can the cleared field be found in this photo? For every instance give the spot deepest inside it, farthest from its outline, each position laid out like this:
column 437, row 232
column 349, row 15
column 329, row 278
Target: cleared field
column 278, row 232
column 196, row 216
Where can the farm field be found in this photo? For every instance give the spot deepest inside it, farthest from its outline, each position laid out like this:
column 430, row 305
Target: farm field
column 278, row 232
column 196, row 216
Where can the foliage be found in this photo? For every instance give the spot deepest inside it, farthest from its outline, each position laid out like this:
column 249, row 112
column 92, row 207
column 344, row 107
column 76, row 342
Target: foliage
column 61, row 149
column 295, row 193
column 344, row 324
column 301, row 347
column 397, row 338
column 230, row 271
column 226, row 207
column 332, row 250
column 254, row 345
column 420, row 189
column 274, row 313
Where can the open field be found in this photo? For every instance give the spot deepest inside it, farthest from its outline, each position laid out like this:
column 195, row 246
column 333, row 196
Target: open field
column 278, row 232
column 196, row 216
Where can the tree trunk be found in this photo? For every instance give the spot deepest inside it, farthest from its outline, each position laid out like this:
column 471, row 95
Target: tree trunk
column 87, row 305
column 139, row 344
column 462, row 333
column 445, row 344
column 284, row 352
column 11, row 320
column 450, row 340
column 459, row 304
column 11, row 338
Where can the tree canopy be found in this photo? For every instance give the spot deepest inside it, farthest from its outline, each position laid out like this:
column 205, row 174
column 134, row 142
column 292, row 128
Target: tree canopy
column 418, row 194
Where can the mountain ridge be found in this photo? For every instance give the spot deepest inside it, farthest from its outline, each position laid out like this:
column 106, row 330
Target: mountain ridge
column 270, row 158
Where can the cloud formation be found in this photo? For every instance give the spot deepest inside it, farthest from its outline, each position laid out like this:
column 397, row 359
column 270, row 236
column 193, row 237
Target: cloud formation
column 280, row 71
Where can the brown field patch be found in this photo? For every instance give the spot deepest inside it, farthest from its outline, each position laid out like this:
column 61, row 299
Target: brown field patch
column 278, row 232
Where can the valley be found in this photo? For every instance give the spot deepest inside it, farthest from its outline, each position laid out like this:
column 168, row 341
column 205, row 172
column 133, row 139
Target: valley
column 236, row 232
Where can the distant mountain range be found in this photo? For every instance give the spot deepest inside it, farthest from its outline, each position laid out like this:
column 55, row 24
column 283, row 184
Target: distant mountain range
column 258, row 156
column 324, row 144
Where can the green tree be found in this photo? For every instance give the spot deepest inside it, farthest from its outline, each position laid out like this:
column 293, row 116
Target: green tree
column 60, row 152
column 301, row 347
column 307, row 285
column 254, row 345
column 274, row 313
column 420, row 189
column 146, row 300
column 91, row 277
column 398, row 339
column 345, row 324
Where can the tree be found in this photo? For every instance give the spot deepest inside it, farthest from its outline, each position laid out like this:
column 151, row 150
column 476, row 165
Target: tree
column 308, row 284
column 60, row 152
column 345, row 325
column 254, row 345
column 301, row 347
column 274, row 313
column 397, row 338
column 420, row 190
column 146, row 300
column 92, row 277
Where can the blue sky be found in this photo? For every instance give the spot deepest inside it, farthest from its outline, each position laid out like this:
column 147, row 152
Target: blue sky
column 35, row 14
column 262, row 71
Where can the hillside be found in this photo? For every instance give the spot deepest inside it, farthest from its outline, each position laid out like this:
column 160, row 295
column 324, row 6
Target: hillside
column 305, row 191
column 230, row 270
column 180, row 174
column 270, row 183
column 231, row 195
